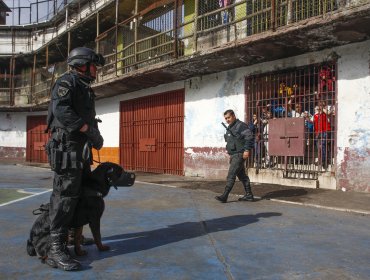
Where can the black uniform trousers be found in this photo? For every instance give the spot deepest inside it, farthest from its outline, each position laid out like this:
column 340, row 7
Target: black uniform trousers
column 236, row 169
column 67, row 184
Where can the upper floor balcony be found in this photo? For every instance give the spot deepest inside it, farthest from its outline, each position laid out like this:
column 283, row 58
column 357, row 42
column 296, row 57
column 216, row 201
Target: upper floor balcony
column 149, row 42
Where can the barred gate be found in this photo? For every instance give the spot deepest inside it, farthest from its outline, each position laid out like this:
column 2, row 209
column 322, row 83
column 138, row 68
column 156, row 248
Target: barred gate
column 152, row 133
column 293, row 116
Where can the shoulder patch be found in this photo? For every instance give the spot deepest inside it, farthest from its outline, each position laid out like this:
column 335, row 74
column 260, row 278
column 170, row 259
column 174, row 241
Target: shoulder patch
column 68, row 83
column 62, row 91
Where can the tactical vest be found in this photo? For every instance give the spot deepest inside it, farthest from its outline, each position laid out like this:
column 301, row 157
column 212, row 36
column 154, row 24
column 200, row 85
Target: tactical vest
column 234, row 142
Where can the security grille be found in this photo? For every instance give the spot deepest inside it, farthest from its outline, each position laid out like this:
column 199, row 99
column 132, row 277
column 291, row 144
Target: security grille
column 281, row 104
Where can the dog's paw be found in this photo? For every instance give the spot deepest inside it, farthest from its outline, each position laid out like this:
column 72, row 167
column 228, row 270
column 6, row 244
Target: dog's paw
column 80, row 252
column 103, row 248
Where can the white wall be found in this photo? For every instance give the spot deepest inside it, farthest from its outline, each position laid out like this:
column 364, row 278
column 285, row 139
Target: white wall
column 207, row 97
column 13, row 130
column 353, row 158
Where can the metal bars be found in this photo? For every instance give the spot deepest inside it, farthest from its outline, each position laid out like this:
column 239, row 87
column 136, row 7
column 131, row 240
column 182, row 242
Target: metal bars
column 160, row 119
column 307, row 93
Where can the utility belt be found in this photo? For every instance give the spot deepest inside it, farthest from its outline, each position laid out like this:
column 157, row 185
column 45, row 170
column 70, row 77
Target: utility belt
column 60, row 159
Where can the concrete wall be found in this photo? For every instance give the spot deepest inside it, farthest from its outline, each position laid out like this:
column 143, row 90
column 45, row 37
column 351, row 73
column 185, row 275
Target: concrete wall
column 353, row 157
column 207, row 97
column 13, row 135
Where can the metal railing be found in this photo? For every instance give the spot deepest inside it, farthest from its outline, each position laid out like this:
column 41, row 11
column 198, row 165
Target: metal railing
column 31, row 13
column 182, row 28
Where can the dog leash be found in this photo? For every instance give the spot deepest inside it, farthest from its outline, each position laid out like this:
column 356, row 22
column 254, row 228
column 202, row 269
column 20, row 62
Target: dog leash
column 86, row 153
column 98, row 161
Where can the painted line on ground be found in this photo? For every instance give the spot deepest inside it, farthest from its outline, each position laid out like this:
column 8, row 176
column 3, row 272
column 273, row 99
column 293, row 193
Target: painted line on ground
column 23, row 198
column 357, row 211
column 156, row 184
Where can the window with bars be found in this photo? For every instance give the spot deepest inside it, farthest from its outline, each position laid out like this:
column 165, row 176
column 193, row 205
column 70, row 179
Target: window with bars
column 307, row 93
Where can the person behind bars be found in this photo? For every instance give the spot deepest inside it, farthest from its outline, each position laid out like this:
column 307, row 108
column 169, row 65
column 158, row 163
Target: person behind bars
column 239, row 142
column 71, row 120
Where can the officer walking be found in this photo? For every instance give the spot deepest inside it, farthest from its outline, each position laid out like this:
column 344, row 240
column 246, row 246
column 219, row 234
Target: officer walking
column 71, row 120
column 239, row 142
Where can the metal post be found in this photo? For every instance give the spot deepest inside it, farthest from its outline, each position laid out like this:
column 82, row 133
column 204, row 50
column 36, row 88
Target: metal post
column 273, row 15
column 69, row 42
column 47, row 56
column 66, row 22
column 116, row 31
column 97, row 34
column 135, row 32
column 13, row 84
column 175, row 15
column 290, row 12
column 37, row 10
column 195, row 43
column 33, row 80
column 10, row 79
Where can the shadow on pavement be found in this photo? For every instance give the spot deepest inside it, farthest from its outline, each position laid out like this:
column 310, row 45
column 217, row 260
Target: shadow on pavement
column 141, row 241
column 284, row 193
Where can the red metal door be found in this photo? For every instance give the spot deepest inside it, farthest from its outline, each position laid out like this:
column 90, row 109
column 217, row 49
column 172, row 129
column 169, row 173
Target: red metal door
column 36, row 139
column 151, row 134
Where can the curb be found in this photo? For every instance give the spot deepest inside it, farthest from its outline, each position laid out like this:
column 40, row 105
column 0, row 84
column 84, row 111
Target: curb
column 355, row 211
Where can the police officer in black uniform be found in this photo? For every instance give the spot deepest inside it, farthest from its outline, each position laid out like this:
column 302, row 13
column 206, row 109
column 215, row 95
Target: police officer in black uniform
column 71, row 120
column 239, row 142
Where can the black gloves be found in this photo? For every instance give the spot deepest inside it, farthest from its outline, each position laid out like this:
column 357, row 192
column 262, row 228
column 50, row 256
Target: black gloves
column 94, row 135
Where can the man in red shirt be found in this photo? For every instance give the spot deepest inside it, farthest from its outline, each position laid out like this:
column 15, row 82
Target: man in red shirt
column 322, row 129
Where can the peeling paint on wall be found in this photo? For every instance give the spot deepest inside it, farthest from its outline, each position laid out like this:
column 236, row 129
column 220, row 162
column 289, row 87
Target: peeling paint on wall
column 7, row 123
column 353, row 144
column 354, row 172
column 206, row 162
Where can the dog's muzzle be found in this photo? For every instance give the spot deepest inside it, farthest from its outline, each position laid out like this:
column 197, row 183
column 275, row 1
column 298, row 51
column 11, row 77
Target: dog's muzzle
column 127, row 179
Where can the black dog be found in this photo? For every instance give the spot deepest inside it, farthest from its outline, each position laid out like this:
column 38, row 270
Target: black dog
column 89, row 210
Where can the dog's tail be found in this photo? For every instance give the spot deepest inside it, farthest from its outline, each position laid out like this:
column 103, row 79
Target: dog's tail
column 30, row 248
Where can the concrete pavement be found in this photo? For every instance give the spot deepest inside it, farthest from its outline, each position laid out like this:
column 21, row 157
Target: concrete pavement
column 158, row 232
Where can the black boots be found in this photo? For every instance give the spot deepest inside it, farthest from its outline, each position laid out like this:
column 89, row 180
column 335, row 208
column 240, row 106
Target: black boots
column 248, row 193
column 58, row 256
column 223, row 197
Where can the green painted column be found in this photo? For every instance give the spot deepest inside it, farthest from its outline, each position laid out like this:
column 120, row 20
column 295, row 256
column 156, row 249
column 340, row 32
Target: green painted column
column 189, row 14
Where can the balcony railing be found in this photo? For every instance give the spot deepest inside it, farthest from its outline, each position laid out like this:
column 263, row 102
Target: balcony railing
column 178, row 29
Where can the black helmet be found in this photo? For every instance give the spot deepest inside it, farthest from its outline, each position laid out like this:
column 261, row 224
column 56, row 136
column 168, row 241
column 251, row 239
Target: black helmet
column 82, row 56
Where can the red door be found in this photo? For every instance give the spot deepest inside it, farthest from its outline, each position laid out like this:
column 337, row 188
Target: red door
column 36, row 139
column 151, row 134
